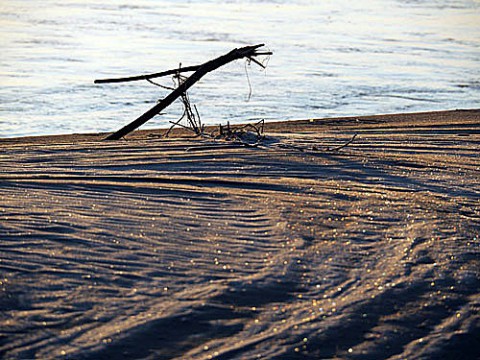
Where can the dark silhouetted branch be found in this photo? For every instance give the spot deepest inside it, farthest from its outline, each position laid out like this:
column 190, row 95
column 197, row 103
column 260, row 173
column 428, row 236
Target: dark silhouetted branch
column 148, row 76
column 201, row 70
column 344, row 145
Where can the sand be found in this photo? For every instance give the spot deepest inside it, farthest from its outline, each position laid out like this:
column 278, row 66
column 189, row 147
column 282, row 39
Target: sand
column 192, row 249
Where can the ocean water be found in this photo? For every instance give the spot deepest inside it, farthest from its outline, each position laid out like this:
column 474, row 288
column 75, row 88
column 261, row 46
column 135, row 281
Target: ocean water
column 330, row 58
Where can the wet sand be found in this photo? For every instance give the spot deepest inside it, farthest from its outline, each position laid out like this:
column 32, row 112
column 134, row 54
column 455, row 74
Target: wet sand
column 193, row 249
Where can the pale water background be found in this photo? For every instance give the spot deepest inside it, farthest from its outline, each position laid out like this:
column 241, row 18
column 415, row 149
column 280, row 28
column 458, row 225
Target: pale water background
column 331, row 58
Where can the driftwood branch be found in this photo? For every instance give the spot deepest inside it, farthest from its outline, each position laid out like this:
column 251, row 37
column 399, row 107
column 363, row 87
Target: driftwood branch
column 149, row 76
column 200, row 71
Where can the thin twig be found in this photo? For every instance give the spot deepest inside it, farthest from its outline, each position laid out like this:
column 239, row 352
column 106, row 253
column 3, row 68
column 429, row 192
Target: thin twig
column 256, row 62
column 344, row 145
column 160, row 85
column 174, row 124
column 248, row 80
column 182, row 126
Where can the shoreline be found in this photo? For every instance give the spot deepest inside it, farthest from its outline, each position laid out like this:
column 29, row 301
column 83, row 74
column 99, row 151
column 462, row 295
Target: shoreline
column 190, row 248
column 274, row 126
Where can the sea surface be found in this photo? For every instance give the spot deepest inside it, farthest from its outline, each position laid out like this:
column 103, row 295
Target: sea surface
column 330, row 58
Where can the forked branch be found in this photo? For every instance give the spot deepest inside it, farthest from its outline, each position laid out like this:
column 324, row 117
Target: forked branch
column 200, row 70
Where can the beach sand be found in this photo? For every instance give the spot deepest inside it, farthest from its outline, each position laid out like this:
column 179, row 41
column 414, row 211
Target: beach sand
column 192, row 249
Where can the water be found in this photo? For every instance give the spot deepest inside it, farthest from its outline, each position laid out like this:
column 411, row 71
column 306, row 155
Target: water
column 331, row 58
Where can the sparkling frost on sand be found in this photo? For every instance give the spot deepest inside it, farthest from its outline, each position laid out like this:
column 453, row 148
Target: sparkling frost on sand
column 142, row 249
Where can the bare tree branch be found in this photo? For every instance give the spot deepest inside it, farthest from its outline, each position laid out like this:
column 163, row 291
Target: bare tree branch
column 200, row 71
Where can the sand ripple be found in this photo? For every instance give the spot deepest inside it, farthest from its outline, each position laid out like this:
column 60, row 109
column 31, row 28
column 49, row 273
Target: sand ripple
column 142, row 249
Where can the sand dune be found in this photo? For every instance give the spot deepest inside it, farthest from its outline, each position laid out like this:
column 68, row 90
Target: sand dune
column 193, row 249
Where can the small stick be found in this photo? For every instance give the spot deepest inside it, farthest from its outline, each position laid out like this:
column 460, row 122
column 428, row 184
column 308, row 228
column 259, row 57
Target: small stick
column 174, row 123
column 344, row 145
column 183, row 126
column 256, row 62
column 160, row 85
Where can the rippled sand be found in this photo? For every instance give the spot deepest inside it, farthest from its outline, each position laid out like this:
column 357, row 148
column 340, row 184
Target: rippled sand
column 181, row 248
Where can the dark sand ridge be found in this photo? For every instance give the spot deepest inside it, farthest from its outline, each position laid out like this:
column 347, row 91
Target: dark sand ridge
column 142, row 249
